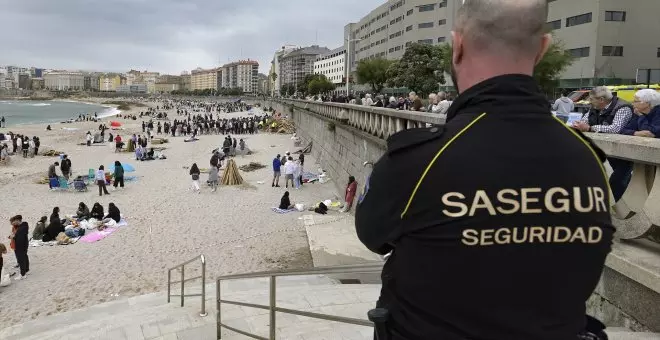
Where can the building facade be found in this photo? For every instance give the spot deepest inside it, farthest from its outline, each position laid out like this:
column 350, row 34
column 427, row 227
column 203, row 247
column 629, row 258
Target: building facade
column 91, row 82
column 24, row 81
column 606, row 38
column 297, row 64
column 64, row 81
column 331, row 65
column 242, row 74
column 202, row 79
column 275, row 68
column 111, row 81
column 135, row 88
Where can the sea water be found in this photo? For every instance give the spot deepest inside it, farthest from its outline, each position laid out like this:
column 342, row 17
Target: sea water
column 21, row 112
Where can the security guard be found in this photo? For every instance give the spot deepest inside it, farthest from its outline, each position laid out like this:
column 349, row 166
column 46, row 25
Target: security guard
column 499, row 221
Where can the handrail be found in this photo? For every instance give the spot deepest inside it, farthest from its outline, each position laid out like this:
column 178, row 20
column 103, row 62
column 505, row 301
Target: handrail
column 372, row 267
column 183, row 281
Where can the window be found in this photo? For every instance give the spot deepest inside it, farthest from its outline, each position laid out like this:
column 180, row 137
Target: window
column 615, row 16
column 441, row 39
column 398, row 48
column 578, row 20
column 425, row 25
column 399, row 18
column 579, row 52
column 391, row 49
column 553, row 25
column 392, row 22
column 426, row 8
column 410, row 12
column 658, row 53
column 409, row 28
column 442, row 22
column 425, row 41
column 613, row 51
column 442, row 4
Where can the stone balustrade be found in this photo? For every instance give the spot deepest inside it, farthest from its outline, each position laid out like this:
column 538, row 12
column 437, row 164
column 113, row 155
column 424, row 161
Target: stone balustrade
column 636, row 215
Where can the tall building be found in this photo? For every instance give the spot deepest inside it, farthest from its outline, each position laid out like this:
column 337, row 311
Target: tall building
column 297, row 64
column 607, row 39
column 24, row 82
column 275, row 68
column 185, row 81
column 149, row 79
column 64, row 81
column 263, row 86
column 202, row 79
column 91, row 82
column 331, row 65
column 168, row 83
column 241, row 74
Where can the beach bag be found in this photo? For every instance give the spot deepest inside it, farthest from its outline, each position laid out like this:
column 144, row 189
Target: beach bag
column 5, row 280
column 62, row 239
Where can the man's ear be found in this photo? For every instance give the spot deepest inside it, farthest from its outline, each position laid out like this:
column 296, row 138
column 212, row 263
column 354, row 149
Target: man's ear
column 546, row 40
column 457, row 47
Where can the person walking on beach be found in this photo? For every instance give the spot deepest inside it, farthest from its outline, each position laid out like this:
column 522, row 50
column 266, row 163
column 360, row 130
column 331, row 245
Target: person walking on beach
column 2, row 122
column 52, row 174
column 66, row 167
column 100, row 181
column 194, row 172
column 19, row 238
column 119, row 176
column 37, row 143
column 118, row 143
column 277, row 165
column 214, row 178
column 89, row 138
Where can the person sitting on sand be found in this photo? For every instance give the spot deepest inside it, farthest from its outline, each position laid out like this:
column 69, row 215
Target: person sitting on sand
column 285, row 202
column 113, row 214
column 83, row 212
column 150, row 154
column 97, row 212
column 55, row 227
column 40, row 229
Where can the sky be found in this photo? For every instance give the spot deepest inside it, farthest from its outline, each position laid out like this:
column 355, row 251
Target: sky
column 166, row 36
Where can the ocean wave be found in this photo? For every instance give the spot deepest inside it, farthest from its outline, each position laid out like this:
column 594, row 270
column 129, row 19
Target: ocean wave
column 40, row 104
column 110, row 112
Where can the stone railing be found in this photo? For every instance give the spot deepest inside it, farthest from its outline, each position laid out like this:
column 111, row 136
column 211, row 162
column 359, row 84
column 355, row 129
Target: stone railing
column 376, row 121
column 636, row 215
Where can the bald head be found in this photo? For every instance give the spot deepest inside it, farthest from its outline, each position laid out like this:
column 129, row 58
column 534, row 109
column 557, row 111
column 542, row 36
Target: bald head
column 513, row 26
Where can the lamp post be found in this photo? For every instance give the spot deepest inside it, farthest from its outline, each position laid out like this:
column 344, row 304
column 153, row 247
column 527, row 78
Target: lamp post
column 348, row 63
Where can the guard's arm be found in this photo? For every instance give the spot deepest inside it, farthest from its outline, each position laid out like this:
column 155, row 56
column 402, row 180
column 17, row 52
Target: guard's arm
column 377, row 218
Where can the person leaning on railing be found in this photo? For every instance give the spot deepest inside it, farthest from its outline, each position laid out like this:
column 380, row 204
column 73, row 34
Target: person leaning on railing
column 495, row 233
column 645, row 123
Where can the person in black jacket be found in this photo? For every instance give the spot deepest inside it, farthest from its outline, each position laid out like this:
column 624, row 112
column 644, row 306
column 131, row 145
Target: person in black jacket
column 113, row 213
column 97, row 211
column 494, row 232
column 21, row 243
column 55, row 226
column 66, row 167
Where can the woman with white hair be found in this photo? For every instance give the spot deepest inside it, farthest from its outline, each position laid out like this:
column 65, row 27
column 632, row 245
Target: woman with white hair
column 647, row 108
column 646, row 123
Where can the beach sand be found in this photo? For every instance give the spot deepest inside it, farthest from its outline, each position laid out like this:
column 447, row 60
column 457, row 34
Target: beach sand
column 168, row 224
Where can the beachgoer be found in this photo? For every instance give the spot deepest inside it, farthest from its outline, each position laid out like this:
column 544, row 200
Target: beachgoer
column 285, row 202
column 66, row 167
column 89, row 138
column 297, row 173
column 194, row 172
column 52, row 174
column 3, row 250
column 19, row 242
column 351, row 188
column 100, row 181
column 40, row 228
column 277, row 164
column 214, row 177
column 289, row 169
column 119, row 176
column 83, row 211
column 118, row 143
column 55, row 226
column 97, row 211
column 113, row 213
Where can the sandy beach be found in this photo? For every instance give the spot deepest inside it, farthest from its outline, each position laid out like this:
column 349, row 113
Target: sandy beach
column 167, row 224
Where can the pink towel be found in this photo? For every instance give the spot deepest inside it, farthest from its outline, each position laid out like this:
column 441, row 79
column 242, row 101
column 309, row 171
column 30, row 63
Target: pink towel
column 96, row 236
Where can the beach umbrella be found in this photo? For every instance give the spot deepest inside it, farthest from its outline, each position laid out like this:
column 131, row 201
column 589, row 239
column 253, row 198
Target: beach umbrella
column 115, row 124
column 127, row 167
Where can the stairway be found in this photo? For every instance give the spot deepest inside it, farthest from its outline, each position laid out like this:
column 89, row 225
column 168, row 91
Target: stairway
column 151, row 317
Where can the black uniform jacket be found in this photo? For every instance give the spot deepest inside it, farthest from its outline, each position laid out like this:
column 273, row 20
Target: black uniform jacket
column 499, row 221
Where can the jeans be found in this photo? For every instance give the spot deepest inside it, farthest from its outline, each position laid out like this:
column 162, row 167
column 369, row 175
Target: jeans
column 102, row 188
column 621, row 176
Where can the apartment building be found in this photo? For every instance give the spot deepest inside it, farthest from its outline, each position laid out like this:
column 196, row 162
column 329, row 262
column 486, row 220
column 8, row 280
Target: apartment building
column 64, row 81
column 202, row 79
column 91, row 82
column 111, row 81
column 297, row 64
column 242, row 74
column 276, row 69
column 609, row 39
column 331, row 65
column 387, row 30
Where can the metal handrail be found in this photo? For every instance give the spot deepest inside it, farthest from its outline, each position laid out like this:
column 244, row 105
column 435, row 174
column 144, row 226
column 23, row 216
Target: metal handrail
column 183, row 281
column 373, row 267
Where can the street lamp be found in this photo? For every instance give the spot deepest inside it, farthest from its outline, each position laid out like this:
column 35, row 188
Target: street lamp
column 348, row 62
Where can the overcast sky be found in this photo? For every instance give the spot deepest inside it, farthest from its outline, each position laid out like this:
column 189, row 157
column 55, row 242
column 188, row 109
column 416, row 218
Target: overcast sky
column 167, row 36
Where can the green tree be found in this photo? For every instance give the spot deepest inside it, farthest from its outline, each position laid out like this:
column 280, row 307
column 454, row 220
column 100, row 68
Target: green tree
column 273, row 76
column 373, row 72
column 287, row 89
column 320, row 84
column 546, row 72
column 421, row 69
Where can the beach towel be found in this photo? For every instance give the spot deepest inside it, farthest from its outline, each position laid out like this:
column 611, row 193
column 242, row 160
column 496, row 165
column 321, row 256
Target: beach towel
column 40, row 243
column 97, row 235
column 282, row 211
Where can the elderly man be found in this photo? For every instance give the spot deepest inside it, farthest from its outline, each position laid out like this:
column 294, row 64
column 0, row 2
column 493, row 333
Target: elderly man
column 608, row 114
column 489, row 227
column 443, row 104
column 415, row 102
column 646, row 123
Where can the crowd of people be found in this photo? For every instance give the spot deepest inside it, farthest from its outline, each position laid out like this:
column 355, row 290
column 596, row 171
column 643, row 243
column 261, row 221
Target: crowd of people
column 437, row 102
column 20, row 145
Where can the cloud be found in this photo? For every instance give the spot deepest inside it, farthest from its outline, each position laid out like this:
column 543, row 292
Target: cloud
column 167, row 36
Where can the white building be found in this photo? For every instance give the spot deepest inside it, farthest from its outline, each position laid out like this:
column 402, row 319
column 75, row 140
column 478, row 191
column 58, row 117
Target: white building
column 64, row 81
column 242, row 74
column 331, row 65
column 276, row 69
